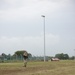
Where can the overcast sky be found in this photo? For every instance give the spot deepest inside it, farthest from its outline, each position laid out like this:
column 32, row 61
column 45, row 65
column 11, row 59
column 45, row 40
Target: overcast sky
column 21, row 26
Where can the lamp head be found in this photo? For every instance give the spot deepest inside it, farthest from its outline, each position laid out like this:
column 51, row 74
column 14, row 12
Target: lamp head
column 43, row 16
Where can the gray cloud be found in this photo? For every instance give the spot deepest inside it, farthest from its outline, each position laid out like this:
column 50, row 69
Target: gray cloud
column 21, row 24
column 30, row 43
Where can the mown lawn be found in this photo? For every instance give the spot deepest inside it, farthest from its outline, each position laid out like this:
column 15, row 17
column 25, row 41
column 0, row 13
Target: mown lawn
column 39, row 68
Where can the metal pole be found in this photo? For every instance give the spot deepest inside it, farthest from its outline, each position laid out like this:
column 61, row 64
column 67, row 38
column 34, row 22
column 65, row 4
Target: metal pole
column 44, row 37
column 74, row 54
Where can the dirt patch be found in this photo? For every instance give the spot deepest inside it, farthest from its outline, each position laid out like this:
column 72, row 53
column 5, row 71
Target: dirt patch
column 27, row 70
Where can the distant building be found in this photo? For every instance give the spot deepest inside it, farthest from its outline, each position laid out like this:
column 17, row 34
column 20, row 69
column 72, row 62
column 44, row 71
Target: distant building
column 55, row 59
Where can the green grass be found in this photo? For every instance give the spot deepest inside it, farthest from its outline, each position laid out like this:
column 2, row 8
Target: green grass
column 39, row 68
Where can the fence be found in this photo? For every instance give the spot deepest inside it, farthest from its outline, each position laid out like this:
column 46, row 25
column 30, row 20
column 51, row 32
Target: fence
column 20, row 58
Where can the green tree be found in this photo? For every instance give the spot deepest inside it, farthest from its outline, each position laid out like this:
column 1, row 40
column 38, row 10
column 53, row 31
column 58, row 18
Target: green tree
column 66, row 56
column 62, row 56
column 19, row 54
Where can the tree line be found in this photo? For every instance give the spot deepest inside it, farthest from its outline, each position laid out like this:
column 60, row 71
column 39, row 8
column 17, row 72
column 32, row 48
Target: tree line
column 18, row 55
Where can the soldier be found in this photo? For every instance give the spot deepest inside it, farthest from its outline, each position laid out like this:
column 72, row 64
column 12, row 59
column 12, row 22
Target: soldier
column 25, row 56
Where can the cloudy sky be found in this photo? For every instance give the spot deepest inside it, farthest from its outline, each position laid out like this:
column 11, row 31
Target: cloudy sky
column 21, row 26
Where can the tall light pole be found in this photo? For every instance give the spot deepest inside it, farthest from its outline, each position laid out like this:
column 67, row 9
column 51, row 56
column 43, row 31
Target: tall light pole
column 44, row 37
column 74, row 54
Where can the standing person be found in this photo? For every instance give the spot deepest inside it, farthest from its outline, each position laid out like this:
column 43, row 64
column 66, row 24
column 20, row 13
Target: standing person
column 25, row 56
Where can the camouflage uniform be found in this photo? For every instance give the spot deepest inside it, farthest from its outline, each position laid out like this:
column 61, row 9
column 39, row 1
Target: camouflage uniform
column 25, row 55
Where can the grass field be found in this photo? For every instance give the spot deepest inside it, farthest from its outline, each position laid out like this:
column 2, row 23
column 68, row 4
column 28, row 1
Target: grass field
column 39, row 68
